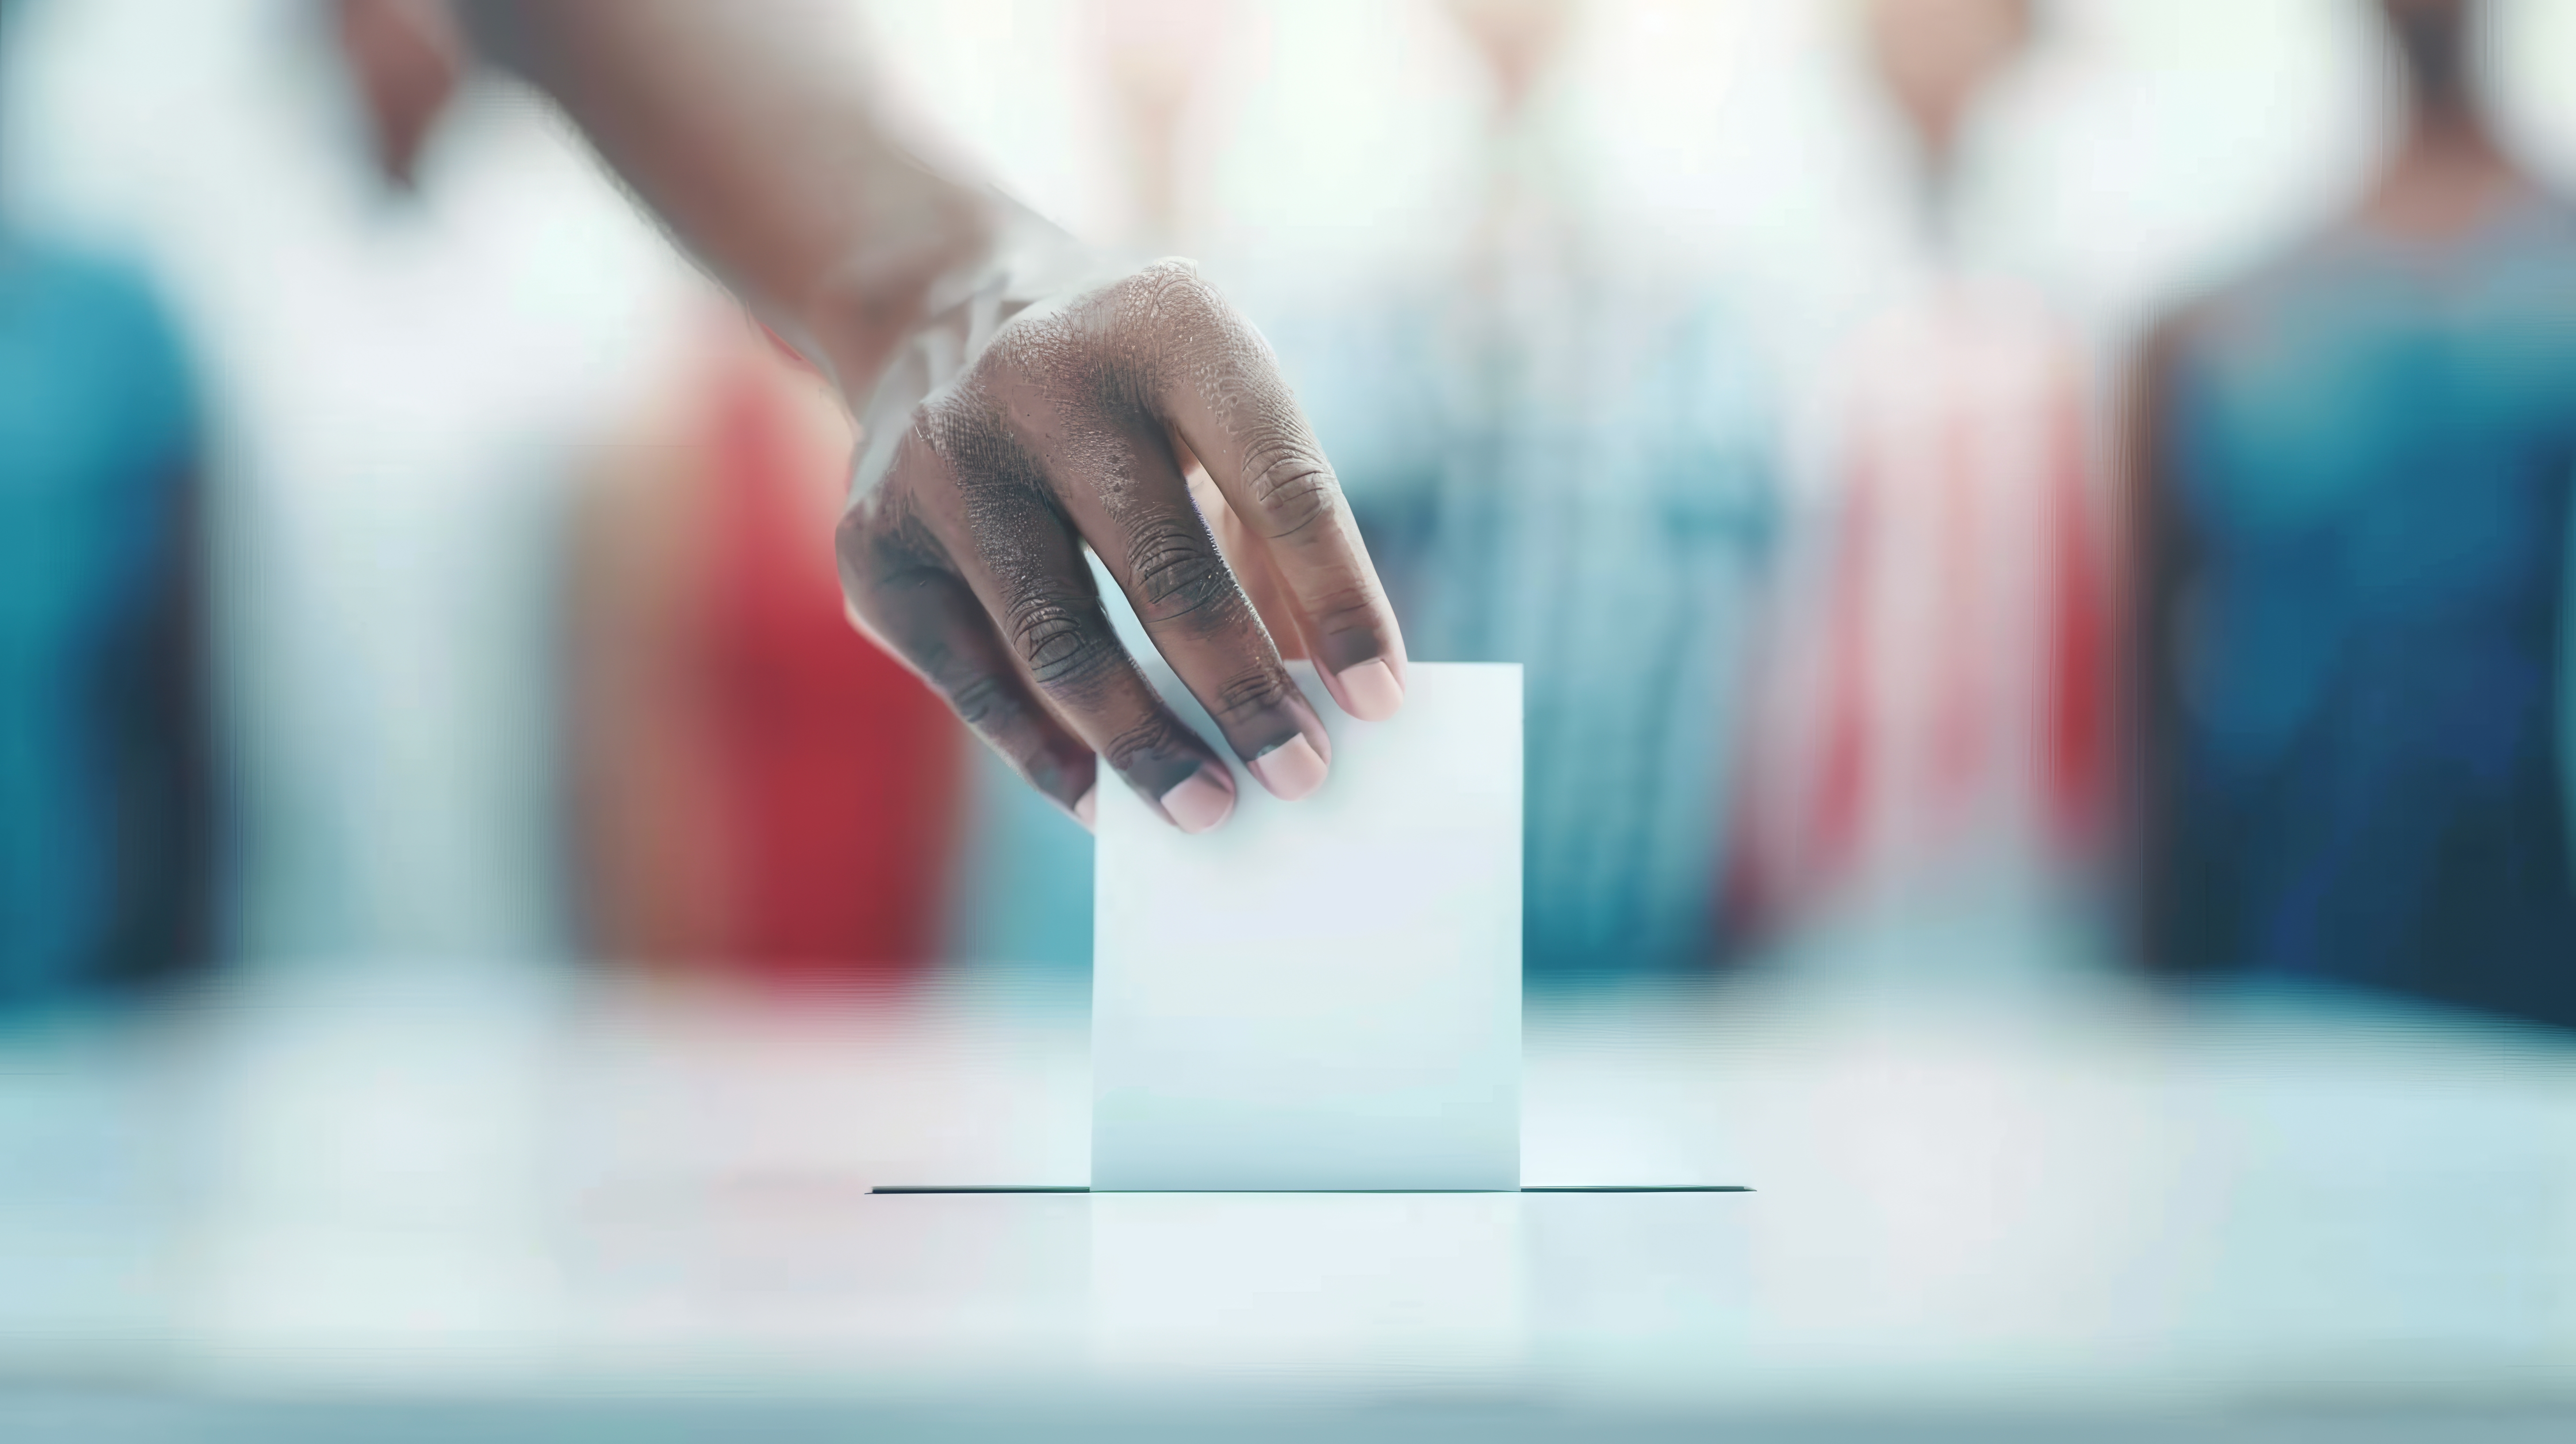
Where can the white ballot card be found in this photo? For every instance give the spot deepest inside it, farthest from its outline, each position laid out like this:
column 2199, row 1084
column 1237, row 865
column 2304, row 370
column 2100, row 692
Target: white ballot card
column 1322, row 994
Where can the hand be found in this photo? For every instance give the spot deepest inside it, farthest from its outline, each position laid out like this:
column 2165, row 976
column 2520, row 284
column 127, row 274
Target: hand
column 1085, row 420
column 749, row 128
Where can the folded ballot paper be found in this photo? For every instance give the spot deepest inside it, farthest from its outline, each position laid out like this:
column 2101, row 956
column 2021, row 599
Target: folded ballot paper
column 1324, row 994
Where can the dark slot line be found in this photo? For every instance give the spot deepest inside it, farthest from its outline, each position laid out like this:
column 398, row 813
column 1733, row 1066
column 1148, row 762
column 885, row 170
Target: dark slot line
column 1533, row 1188
column 980, row 1188
column 1636, row 1188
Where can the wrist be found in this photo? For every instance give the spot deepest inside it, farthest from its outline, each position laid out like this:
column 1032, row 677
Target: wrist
column 868, row 304
column 948, row 317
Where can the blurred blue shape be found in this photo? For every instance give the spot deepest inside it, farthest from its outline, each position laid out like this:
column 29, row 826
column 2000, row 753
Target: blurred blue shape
column 101, row 858
column 1576, row 474
column 2370, row 448
column 1586, row 486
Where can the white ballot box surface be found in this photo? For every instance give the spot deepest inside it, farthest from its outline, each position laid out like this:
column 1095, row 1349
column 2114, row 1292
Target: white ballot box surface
column 1322, row 994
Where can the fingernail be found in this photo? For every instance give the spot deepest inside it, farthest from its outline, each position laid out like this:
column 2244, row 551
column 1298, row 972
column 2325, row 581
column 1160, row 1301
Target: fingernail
column 1290, row 770
column 1370, row 690
column 1199, row 803
column 1086, row 809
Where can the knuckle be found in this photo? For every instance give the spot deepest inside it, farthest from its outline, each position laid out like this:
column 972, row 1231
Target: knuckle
column 1180, row 578
column 993, row 706
column 1345, row 606
column 928, row 429
column 1150, row 737
column 1250, row 698
column 863, row 531
column 961, row 442
column 1291, row 486
column 1173, row 278
column 1059, row 641
column 931, row 416
column 1020, row 346
column 983, row 701
column 882, row 541
column 1168, row 291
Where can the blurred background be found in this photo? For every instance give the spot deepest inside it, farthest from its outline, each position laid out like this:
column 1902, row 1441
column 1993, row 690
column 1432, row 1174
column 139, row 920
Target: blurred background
column 2039, row 534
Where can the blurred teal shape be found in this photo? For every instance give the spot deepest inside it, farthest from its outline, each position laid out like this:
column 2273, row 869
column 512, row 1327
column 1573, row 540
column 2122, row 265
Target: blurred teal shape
column 1577, row 474
column 101, row 868
column 2372, row 446
column 1023, row 890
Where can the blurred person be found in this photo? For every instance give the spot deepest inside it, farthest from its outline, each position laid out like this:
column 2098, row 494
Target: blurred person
column 104, row 803
column 409, row 326
column 2352, row 475
column 1024, row 406
column 1937, row 718
column 1563, row 452
column 1021, row 408
column 760, row 791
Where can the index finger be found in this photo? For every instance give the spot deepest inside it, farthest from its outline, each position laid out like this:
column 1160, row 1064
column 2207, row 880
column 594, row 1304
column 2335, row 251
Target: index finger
column 1220, row 386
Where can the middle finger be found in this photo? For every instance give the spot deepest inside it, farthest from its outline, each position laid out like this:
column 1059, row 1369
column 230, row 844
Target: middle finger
column 1121, row 484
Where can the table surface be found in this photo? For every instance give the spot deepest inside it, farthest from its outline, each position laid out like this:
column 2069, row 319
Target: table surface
column 476, row 1182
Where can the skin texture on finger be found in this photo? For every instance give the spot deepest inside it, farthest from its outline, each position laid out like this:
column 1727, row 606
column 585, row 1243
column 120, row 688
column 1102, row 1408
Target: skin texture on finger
column 1080, row 407
column 903, row 596
column 1157, row 546
column 1369, row 691
column 1218, row 384
column 965, row 479
column 1245, row 554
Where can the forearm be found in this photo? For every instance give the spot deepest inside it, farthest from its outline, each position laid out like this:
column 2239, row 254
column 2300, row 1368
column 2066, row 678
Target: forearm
column 747, row 127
